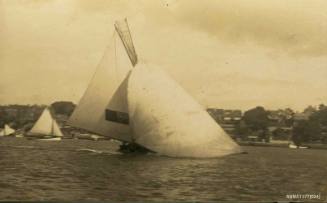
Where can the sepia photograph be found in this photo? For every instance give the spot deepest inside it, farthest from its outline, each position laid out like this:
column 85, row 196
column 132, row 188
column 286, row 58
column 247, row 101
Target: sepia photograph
column 163, row 101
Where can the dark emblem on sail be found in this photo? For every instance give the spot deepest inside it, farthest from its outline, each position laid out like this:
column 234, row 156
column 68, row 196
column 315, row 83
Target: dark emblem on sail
column 117, row 116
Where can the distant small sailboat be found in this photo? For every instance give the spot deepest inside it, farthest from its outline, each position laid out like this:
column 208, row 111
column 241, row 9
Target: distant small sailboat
column 140, row 105
column 7, row 130
column 293, row 146
column 19, row 135
column 46, row 128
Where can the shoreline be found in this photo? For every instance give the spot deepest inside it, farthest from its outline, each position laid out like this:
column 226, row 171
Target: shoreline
column 241, row 143
column 263, row 144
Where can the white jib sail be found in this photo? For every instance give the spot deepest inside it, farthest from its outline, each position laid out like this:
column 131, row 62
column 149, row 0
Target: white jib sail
column 103, row 107
column 7, row 130
column 46, row 125
column 167, row 120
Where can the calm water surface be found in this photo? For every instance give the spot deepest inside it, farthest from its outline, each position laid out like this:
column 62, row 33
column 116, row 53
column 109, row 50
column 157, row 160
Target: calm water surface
column 88, row 170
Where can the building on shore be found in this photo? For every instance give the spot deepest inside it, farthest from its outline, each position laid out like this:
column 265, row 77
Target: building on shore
column 280, row 125
column 227, row 119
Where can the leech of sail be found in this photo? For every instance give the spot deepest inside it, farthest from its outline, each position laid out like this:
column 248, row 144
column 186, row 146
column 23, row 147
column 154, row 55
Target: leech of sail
column 126, row 38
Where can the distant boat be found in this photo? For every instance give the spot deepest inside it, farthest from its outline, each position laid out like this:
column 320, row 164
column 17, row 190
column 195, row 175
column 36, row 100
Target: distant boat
column 293, row 146
column 51, row 139
column 19, row 135
column 46, row 128
column 6, row 131
column 142, row 106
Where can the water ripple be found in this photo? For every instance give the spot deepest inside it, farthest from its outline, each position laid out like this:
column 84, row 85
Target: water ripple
column 86, row 170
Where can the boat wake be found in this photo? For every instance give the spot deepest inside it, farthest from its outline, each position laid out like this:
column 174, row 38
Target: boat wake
column 94, row 151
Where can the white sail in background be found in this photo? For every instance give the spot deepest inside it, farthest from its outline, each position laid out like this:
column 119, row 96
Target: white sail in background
column 7, row 130
column 167, row 120
column 103, row 107
column 46, row 125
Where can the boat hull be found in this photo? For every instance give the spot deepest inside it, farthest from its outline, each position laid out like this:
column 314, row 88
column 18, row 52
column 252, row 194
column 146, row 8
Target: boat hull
column 42, row 137
column 292, row 146
column 19, row 135
column 51, row 139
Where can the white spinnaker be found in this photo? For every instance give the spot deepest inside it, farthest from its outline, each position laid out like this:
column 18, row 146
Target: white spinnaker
column 46, row 125
column 167, row 120
column 106, row 91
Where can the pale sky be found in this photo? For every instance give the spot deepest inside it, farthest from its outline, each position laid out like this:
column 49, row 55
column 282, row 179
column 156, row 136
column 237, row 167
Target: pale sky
column 234, row 54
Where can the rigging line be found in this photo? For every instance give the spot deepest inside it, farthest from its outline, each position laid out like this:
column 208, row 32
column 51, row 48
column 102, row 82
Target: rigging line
column 52, row 123
column 115, row 59
column 51, row 116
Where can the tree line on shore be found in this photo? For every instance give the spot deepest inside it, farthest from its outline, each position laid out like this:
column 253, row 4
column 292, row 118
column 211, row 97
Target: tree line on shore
column 305, row 127
column 310, row 128
column 21, row 116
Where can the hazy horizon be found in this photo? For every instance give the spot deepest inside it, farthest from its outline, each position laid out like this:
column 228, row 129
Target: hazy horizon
column 226, row 54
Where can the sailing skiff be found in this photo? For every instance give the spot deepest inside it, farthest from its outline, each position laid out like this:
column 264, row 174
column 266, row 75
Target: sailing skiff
column 139, row 104
column 45, row 128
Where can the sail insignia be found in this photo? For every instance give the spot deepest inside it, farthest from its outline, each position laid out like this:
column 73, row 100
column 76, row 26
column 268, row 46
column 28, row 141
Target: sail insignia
column 117, row 116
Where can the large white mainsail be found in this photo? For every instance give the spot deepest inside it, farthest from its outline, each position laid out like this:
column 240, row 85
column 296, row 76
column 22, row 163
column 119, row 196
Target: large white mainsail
column 144, row 105
column 46, row 125
column 7, row 131
column 103, row 107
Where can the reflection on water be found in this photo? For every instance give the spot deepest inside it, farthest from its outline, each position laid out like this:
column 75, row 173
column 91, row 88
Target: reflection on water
column 81, row 169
